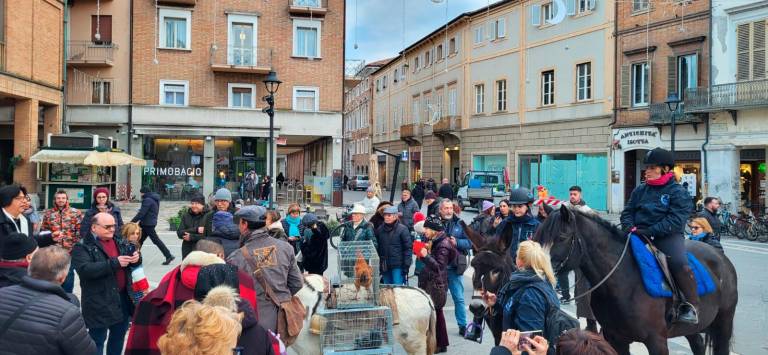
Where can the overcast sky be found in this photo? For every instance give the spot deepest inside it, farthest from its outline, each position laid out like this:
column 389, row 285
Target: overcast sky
column 377, row 25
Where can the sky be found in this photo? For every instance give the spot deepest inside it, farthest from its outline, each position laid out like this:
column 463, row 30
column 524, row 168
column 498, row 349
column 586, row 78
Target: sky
column 376, row 26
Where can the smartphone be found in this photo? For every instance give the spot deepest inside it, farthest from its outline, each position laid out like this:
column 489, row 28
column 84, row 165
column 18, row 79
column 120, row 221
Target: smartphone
column 130, row 249
column 525, row 338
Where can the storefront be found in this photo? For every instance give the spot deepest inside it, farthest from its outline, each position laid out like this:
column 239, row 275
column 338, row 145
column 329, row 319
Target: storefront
column 558, row 172
column 752, row 182
column 490, row 162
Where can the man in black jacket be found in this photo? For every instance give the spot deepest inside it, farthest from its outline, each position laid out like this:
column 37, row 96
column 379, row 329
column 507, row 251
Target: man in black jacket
column 446, row 190
column 17, row 251
column 192, row 226
column 103, row 262
column 39, row 317
column 711, row 207
column 14, row 200
column 147, row 218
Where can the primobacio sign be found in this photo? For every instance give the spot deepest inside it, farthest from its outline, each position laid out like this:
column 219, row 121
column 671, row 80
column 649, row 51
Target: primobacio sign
column 173, row 171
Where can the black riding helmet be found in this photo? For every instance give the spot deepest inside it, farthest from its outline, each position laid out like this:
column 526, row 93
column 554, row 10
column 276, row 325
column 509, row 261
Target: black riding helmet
column 660, row 157
column 520, row 196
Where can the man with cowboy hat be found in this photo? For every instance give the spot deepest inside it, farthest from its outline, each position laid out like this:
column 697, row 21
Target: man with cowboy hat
column 358, row 229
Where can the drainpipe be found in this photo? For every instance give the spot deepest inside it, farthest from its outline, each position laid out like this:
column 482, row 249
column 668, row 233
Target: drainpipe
column 615, row 62
column 705, row 163
column 130, row 98
column 64, row 125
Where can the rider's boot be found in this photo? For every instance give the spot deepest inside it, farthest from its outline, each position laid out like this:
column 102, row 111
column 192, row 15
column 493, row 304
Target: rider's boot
column 687, row 308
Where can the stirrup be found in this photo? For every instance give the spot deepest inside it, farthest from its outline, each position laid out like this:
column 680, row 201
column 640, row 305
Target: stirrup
column 686, row 313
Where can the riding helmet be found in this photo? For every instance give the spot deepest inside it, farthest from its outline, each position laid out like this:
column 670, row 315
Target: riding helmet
column 520, row 196
column 660, row 157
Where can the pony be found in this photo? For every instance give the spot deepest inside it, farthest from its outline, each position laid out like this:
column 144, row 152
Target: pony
column 415, row 330
column 578, row 240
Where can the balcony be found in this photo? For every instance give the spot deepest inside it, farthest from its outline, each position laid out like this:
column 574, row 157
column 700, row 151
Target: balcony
column 177, row 2
column 242, row 60
column 90, row 54
column 661, row 115
column 411, row 133
column 316, row 8
column 728, row 97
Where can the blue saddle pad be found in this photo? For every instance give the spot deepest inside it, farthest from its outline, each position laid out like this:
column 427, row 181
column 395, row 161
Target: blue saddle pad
column 653, row 278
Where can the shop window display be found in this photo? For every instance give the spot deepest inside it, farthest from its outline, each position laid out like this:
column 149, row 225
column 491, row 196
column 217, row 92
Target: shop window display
column 174, row 167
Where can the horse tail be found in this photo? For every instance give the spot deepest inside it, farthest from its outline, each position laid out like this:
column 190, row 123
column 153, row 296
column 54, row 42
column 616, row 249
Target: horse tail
column 431, row 333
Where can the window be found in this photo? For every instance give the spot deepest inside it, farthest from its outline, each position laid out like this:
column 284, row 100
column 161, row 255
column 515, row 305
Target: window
column 242, row 40
column 452, row 102
column 415, row 113
column 384, row 82
column 426, row 59
column 174, row 92
column 439, row 106
column 640, row 84
column 395, row 77
column 500, row 27
column 378, row 85
column 584, row 81
column 547, row 13
column 242, row 95
column 479, row 34
column 439, row 55
column 501, row 95
column 101, row 93
column 175, row 31
column 452, row 46
column 750, row 50
column 687, row 70
column 101, row 25
column 479, row 98
column 639, row 5
column 305, row 98
column 415, row 64
column 306, row 38
column 402, row 72
column 548, row 88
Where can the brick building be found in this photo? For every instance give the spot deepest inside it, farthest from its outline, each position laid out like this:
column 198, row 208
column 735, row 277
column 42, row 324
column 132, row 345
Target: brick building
column 662, row 48
column 31, row 74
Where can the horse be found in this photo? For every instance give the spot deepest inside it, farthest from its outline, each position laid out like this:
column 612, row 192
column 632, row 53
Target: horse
column 626, row 312
column 415, row 330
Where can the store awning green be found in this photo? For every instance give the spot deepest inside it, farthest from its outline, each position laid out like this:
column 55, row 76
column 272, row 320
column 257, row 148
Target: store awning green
column 85, row 157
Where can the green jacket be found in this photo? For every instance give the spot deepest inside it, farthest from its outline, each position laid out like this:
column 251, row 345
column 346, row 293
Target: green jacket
column 364, row 231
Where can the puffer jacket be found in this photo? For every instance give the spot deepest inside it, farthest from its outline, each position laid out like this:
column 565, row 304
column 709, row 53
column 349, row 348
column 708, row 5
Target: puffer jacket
column 190, row 223
column 65, row 220
column 150, row 208
column 85, row 224
column 51, row 323
column 433, row 277
column 407, row 209
column 102, row 300
column 525, row 307
column 662, row 210
column 225, row 232
column 395, row 245
column 523, row 229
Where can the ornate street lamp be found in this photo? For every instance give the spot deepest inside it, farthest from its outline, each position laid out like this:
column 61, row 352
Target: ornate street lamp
column 271, row 83
column 673, row 101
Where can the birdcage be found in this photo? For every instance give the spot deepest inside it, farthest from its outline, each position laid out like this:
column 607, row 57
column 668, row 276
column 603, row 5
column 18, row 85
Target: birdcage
column 357, row 331
column 358, row 275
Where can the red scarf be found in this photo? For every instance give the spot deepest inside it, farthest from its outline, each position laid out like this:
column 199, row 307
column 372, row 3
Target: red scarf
column 14, row 264
column 663, row 180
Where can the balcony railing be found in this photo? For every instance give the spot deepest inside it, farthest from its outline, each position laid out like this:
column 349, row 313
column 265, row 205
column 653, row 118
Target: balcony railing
column 660, row 114
column 90, row 54
column 242, row 60
column 307, row 7
column 87, row 89
column 447, row 124
column 732, row 96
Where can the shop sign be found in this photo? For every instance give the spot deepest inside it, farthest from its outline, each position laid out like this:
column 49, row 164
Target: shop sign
column 636, row 138
column 173, row 171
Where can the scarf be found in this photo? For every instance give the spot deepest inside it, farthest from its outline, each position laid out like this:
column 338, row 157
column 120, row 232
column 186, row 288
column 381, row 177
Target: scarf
column 663, row 180
column 293, row 226
column 699, row 236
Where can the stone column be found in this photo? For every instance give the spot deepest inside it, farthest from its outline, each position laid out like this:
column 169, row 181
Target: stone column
column 25, row 136
column 334, row 156
column 209, row 165
column 724, row 180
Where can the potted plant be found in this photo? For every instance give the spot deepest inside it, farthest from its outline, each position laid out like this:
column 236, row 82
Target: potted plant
column 174, row 221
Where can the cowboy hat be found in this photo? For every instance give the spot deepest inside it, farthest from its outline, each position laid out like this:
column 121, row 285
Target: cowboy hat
column 357, row 208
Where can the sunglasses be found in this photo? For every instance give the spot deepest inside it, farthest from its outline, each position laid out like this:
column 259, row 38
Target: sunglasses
column 107, row 227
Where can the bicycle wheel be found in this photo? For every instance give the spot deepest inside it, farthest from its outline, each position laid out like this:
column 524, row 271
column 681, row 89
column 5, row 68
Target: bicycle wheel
column 336, row 234
column 751, row 233
column 763, row 237
column 740, row 229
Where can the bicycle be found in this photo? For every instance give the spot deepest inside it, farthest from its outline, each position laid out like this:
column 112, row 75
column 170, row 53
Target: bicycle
column 727, row 219
column 761, row 229
column 336, row 233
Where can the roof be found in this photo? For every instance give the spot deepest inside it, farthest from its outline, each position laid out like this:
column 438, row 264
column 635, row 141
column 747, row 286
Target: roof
column 380, row 62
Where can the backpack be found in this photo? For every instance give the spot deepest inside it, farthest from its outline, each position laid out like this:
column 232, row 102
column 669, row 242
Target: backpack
column 556, row 321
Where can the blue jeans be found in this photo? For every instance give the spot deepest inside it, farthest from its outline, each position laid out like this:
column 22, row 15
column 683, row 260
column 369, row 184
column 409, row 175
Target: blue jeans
column 456, row 286
column 393, row 276
column 69, row 282
column 116, row 333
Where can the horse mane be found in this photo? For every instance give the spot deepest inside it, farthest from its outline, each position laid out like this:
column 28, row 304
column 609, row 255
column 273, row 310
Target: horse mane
column 546, row 234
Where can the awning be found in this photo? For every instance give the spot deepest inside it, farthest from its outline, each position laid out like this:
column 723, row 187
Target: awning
column 85, row 157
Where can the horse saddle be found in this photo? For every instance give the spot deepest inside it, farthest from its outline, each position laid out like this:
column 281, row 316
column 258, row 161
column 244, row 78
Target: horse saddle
column 655, row 275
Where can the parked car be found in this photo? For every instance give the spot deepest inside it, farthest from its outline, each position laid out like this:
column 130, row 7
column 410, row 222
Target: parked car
column 359, row 182
column 479, row 186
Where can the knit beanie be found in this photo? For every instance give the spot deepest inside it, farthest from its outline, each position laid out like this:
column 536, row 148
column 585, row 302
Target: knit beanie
column 16, row 246
column 418, row 217
column 198, row 197
column 434, row 223
column 223, row 194
column 214, row 275
column 99, row 190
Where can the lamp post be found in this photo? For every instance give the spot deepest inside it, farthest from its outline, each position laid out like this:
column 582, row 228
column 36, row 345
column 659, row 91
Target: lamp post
column 271, row 83
column 673, row 101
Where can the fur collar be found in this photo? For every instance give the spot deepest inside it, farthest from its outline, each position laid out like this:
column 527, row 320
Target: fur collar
column 199, row 258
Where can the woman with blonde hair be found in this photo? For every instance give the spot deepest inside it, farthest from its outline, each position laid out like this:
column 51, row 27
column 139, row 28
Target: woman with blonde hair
column 131, row 233
column 526, row 298
column 200, row 329
column 702, row 231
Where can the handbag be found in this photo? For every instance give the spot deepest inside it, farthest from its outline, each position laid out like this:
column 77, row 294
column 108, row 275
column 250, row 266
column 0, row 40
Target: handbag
column 290, row 315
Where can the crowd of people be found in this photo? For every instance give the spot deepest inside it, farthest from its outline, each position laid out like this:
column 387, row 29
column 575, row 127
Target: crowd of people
column 241, row 264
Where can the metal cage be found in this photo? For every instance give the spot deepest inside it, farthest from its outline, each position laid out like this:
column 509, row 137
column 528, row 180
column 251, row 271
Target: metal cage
column 357, row 331
column 358, row 287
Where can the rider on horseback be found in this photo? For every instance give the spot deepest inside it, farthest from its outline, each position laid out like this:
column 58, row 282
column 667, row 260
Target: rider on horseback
column 658, row 210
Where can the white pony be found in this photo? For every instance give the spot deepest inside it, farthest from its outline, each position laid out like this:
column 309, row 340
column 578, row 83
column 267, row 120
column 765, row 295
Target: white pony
column 415, row 330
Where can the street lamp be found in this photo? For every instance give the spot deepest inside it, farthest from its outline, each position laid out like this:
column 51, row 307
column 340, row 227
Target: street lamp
column 271, row 83
column 673, row 101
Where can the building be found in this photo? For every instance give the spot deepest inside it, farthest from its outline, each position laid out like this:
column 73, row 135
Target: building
column 357, row 118
column 662, row 48
column 183, row 88
column 471, row 95
column 736, row 104
column 31, row 77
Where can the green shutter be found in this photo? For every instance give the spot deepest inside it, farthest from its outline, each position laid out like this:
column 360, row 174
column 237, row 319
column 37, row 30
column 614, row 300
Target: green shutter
column 625, row 86
column 672, row 75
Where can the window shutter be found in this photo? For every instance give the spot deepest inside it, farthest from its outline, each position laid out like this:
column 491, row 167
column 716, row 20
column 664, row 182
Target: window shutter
column 758, row 50
column 571, row 5
column 742, row 51
column 491, row 30
column 591, row 4
column 626, row 82
column 536, row 15
column 649, row 80
column 502, row 23
column 672, row 76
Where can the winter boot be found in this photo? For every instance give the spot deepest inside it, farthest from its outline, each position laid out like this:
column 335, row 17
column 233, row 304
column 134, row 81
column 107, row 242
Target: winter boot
column 687, row 284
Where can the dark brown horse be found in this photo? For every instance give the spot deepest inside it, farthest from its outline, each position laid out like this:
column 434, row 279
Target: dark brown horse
column 622, row 306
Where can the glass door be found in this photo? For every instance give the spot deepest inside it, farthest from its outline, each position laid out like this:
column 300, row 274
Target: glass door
column 242, row 50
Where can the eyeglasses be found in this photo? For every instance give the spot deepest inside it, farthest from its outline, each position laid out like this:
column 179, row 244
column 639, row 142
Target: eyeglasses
column 695, row 227
column 107, row 227
column 100, row 197
column 23, row 198
column 294, row 211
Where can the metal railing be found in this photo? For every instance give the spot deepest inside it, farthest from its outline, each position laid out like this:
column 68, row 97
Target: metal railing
column 87, row 89
column 244, row 57
column 727, row 96
column 90, row 52
column 660, row 114
column 447, row 124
